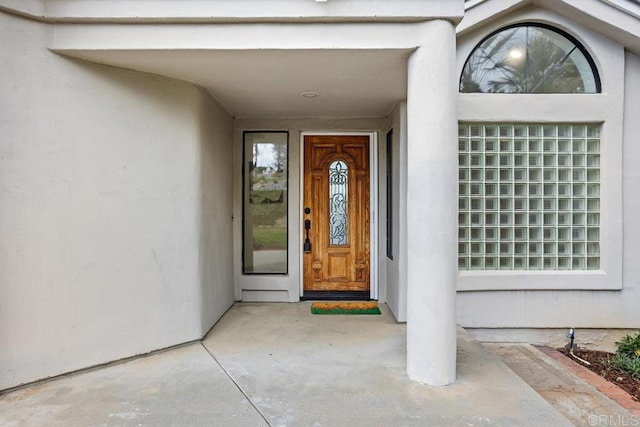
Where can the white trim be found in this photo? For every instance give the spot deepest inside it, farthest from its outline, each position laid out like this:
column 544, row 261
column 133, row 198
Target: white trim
column 250, row 11
column 470, row 4
column 626, row 7
column 606, row 108
column 373, row 206
column 615, row 19
column 374, row 226
column 300, row 209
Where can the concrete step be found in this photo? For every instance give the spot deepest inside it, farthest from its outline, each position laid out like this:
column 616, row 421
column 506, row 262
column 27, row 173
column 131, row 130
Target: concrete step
column 573, row 397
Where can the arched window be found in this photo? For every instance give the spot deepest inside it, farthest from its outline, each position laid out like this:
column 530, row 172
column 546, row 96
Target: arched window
column 529, row 58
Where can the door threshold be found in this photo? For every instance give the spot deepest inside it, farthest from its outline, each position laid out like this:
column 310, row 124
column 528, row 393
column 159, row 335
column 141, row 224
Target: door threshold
column 336, row 296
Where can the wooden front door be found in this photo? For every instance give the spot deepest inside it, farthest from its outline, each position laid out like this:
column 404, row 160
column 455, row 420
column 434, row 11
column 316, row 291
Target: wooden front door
column 336, row 213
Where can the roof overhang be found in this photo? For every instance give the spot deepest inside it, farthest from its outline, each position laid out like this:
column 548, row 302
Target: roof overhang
column 255, row 57
column 270, row 83
column 618, row 20
column 192, row 11
column 260, row 69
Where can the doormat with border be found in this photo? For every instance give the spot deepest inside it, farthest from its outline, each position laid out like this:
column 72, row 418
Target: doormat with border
column 342, row 307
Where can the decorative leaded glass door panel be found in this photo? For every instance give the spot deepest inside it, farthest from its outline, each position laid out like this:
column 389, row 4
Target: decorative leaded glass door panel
column 336, row 193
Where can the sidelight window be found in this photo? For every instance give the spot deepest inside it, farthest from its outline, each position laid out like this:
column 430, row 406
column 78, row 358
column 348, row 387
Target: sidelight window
column 265, row 197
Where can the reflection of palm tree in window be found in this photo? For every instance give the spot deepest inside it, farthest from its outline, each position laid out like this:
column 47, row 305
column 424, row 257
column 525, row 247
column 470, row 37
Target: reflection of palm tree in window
column 543, row 68
column 527, row 59
column 482, row 62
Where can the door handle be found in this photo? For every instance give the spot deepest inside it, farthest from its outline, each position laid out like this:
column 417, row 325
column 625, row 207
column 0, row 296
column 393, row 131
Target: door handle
column 307, row 242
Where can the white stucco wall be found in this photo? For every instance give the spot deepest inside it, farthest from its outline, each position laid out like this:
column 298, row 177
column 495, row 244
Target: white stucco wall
column 631, row 195
column 395, row 269
column 216, row 211
column 617, row 108
column 121, row 192
column 103, row 189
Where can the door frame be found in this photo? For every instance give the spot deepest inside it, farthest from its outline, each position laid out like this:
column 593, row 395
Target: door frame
column 373, row 205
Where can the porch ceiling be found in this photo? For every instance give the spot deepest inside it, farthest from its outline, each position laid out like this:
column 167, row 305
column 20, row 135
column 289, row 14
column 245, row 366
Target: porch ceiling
column 269, row 83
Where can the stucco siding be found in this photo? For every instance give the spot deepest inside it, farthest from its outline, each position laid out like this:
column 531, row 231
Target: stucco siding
column 216, row 237
column 395, row 269
column 100, row 176
column 630, row 190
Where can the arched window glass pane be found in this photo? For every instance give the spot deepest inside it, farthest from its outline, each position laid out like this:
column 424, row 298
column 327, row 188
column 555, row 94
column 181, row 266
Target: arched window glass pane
column 338, row 195
column 529, row 59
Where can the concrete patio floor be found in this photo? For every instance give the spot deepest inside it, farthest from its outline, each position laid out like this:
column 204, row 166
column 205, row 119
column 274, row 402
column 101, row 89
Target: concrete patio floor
column 276, row 364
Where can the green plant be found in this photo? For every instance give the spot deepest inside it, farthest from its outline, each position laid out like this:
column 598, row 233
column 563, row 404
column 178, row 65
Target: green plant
column 629, row 345
column 627, row 358
column 627, row 364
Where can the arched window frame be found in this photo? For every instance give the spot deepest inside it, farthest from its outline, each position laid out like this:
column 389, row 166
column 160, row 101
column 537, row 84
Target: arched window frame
column 605, row 109
column 559, row 31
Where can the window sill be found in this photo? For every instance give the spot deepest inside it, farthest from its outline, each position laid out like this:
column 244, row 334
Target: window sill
column 526, row 280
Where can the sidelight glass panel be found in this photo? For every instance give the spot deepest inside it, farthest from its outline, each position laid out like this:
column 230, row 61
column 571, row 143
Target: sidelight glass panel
column 264, row 231
column 338, row 198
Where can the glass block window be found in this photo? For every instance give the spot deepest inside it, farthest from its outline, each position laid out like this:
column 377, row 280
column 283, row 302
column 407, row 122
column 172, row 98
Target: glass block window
column 529, row 197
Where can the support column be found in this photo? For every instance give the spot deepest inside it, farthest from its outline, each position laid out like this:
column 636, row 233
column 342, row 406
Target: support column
column 432, row 208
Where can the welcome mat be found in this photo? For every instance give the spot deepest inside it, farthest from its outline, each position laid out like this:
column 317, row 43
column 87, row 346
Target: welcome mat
column 340, row 307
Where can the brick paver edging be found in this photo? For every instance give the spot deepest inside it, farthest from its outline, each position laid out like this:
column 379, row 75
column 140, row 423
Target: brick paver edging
column 605, row 387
